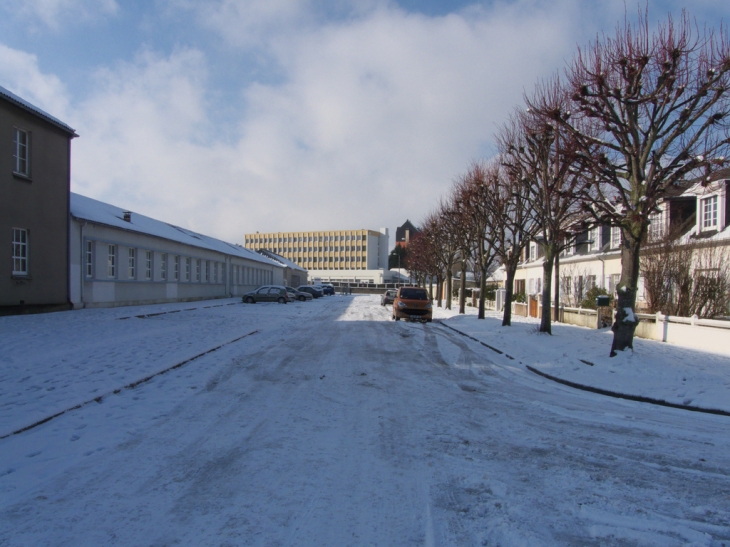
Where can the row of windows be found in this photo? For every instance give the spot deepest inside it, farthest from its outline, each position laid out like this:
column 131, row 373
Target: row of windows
column 344, row 248
column 267, row 239
column 171, row 267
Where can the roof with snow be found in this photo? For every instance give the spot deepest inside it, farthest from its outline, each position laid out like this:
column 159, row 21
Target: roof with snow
column 98, row 212
column 281, row 260
column 25, row 105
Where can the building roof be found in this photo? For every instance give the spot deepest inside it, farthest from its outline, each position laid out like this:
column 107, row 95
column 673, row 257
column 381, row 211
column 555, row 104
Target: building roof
column 98, row 212
column 281, row 260
column 25, row 105
column 400, row 232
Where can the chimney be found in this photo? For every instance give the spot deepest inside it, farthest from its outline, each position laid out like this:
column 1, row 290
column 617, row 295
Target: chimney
column 128, row 216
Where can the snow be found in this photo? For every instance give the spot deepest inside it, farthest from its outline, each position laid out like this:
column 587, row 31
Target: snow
column 325, row 423
column 630, row 317
column 85, row 208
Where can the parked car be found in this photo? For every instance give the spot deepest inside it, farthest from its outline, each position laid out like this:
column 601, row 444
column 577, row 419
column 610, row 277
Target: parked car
column 299, row 295
column 325, row 288
column 267, row 293
column 316, row 293
column 388, row 297
column 413, row 304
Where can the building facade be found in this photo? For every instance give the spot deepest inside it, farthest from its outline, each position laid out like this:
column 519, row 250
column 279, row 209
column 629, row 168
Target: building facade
column 35, row 176
column 404, row 234
column 694, row 214
column 294, row 275
column 121, row 258
column 337, row 250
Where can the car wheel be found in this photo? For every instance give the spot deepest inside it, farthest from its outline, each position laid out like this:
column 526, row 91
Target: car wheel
column 302, row 299
column 281, row 300
column 249, row 300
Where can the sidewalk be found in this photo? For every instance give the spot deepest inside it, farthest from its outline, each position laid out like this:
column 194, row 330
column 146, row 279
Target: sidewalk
column 576, row 355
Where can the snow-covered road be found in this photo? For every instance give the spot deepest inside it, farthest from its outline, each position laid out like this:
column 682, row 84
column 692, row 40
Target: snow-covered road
column 333, row 426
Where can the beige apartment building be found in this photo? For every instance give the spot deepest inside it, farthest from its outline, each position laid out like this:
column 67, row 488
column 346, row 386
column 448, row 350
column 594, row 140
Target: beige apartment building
column 327, row 250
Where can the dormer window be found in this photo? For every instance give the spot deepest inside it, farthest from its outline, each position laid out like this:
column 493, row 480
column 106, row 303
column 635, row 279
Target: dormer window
column 709, row 212
column 615, row 237
column 533, row 251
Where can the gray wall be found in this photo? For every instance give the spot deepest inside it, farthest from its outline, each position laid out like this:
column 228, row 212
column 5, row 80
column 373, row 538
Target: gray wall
column 39, row 204
column 235, row 275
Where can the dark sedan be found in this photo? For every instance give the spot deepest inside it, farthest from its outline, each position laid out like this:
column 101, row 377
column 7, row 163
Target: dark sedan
column 316, row 293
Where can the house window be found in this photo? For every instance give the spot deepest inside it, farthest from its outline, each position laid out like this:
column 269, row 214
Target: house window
column 533, row 252
column 615, row 237
column 131, row 263
column 89, row 254
column 206, row 273
column 656, row 225
column 148, row 264
column 215, row 272
column 709, row 212
column 20, row 251
column 21, row 152
column 187, row 268
column 163, row 266
column 176, row 269
column 111, row 261
column 197, row 270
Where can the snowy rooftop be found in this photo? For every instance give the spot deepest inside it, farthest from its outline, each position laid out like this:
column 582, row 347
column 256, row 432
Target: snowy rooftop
column 281, row 260
column 25, row 105
column 84, row 208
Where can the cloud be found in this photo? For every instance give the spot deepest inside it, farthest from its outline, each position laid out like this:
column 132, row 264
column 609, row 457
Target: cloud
column 373, row 117
column 19, row 72
column 56, row 13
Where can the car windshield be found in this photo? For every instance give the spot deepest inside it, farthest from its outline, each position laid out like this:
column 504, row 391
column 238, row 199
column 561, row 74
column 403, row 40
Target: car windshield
column 413, row 294
column 390, row 293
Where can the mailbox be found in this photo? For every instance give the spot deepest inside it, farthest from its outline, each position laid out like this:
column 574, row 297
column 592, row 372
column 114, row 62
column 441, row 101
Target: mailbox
column 602, row 301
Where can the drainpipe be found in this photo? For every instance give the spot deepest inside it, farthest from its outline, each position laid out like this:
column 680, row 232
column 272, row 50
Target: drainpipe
column 81, row 266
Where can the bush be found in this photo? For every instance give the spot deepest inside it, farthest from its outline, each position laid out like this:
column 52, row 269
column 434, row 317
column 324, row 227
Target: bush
column 519, row 297
column 589, row 302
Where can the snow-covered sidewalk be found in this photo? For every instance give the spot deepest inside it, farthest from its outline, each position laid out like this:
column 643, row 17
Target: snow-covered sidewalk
column 654, row 370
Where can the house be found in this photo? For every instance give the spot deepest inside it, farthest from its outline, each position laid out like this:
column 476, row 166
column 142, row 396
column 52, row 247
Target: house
column 120, row 258
column 294, row 275
column 35, row 176
column 405, row 233
column 693, row 213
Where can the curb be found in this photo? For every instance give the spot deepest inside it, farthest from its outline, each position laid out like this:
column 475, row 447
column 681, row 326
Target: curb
column 599, row 391
column 618, row 395
column 131, row 385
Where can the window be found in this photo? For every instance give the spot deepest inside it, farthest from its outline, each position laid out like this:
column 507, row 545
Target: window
column 656, row 225
column 176, row 269
column 111, row 261
column 21, row 152
column 131, row 263
column 709, row 212
column 215, row 272
column 533, row 252
column 188, row 269
column 206, row 274
column 163, row 266
column 615, row 237
column 89, row 259
column 197, row 270
column 20, row 251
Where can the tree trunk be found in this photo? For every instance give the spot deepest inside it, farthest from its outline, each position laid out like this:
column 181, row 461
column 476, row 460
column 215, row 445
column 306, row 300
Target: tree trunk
column 625, row 324
column 462, row 288
column 510, row 271
column 556, row 269
column 482, row 292
column 439, row 289
column 430, row 288
column 449, row 276
column 547, row 277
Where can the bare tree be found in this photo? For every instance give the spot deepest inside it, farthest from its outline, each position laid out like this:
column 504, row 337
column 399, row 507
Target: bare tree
column 510, row 223
column 475, row 198
column 657, row 103
column 543, row 155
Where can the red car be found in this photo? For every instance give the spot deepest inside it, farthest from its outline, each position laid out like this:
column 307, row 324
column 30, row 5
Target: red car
column 412, row 304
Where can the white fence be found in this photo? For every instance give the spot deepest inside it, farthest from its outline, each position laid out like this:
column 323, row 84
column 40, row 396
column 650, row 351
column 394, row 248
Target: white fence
column 692, row 332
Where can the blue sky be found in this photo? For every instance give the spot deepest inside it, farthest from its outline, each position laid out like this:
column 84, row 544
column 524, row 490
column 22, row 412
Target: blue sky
column 231, row 116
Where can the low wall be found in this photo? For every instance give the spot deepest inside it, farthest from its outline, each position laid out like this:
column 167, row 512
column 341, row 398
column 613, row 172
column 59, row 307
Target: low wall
column 691, row 332
column 580, row 316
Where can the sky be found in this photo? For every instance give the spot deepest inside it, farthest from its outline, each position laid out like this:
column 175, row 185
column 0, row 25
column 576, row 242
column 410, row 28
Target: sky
column 235, row 116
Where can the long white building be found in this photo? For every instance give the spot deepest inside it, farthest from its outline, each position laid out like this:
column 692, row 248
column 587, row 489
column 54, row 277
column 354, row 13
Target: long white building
column 121, row 258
